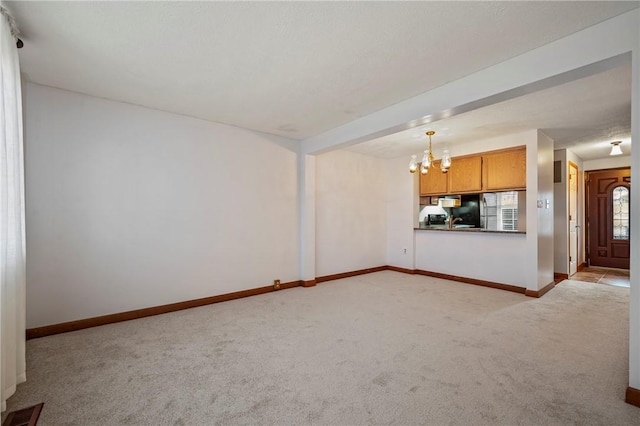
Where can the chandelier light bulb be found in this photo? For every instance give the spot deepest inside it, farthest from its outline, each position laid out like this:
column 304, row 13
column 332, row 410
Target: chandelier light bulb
column 446, row 161
column 425, row 160
column 413, row 164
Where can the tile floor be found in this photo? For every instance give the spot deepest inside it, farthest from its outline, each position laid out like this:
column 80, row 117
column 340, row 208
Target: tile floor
column 610, row 276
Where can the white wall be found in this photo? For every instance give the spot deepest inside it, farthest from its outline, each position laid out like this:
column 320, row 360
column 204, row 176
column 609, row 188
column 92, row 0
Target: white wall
column 492, row 144
column 545, row 214
column 608, row 163
column 560, row 197
column 129, row 207
column 307, row 216
column 402, row 211
column 495, row 257
column 351, row 212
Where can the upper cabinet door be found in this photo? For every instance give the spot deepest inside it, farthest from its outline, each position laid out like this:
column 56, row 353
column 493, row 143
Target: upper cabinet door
column 465, row 175
column 434, row 182
column 505, row 170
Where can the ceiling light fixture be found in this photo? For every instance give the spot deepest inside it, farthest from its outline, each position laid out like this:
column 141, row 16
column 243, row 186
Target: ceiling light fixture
column 615, row 148
column 427, row 159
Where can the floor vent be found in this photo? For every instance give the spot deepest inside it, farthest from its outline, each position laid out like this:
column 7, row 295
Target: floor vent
column 25, row 417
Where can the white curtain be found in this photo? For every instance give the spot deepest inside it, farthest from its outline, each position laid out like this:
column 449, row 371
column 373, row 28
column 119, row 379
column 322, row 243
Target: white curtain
column 12, row 235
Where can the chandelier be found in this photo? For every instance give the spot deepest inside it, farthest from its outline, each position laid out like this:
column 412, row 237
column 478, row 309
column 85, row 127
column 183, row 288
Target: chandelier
column 427, row 159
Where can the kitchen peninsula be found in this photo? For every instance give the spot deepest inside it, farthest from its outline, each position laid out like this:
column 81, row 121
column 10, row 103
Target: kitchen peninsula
column 521, row 259
column 475, row 215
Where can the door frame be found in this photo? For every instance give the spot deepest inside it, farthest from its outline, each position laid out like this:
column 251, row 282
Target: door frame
column 571, row 164
column 587, row 232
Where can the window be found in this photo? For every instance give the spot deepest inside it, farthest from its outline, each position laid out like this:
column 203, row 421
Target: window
column 500, row 210
column 620, row 212
column 509, row 219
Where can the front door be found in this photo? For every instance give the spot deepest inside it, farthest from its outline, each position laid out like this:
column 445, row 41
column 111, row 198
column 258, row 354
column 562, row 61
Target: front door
column 609, row 227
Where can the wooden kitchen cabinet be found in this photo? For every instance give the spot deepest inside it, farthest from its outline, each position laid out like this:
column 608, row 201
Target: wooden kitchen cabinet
column 489, row 171
column 434, row 182
column 505, row 170
column 465, row 175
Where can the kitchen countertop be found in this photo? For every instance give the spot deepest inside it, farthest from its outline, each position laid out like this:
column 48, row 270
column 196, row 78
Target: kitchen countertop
column 480, row 230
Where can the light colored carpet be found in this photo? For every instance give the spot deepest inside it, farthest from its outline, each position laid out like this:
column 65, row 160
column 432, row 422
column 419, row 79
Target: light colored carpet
column 382, row 348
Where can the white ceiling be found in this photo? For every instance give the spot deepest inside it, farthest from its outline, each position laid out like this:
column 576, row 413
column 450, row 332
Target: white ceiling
column 294, row 69
column 584, row 115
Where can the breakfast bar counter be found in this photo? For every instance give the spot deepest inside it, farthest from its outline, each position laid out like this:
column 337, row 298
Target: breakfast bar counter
column 476, row 253
column 464, row 229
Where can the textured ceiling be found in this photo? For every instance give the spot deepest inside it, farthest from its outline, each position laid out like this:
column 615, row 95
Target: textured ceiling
column 584, row 115
column 294, row 69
